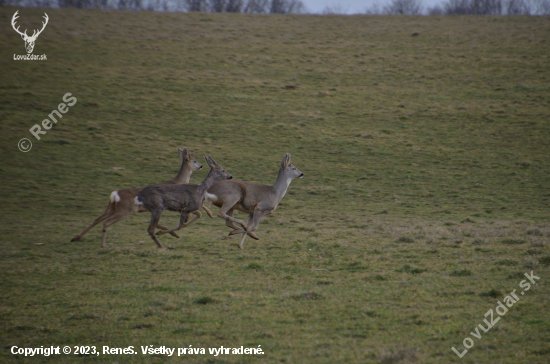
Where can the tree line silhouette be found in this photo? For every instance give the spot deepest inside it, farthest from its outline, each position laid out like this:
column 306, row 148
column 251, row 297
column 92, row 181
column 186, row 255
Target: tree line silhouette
column 391, row 7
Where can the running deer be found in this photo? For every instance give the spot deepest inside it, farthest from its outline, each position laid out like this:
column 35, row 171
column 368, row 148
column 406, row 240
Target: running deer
column 121, row 203
column 186, row 199
column 254, row 199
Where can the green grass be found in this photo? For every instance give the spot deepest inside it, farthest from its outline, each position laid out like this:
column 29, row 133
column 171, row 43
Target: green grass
column 424, row 201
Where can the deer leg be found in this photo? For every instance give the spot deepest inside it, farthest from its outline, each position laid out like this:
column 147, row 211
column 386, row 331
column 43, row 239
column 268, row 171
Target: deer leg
column 256, row 219
column 249, row 223
column 223, row 214
column 230, row 223
column 162, row 227
column 240, row 231
column 183, row 223
column 257, row 215
column 183, row 219
column 155, row 217
column 207, row 210
column 198, row 216
column 116, row 217
column 159, row 226
column 109, row 211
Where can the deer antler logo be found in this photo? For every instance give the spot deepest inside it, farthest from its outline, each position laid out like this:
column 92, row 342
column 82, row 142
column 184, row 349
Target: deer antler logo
column 29, row 41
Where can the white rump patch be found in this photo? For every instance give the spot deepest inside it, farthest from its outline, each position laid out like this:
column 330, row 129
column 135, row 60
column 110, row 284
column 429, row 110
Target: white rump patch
column 211, row 197
column 114, row 197
column 137, row 201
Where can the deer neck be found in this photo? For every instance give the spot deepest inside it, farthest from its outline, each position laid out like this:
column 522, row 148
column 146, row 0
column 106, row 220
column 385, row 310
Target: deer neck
column 207, row 182
column 184, row 174
column 281, row 185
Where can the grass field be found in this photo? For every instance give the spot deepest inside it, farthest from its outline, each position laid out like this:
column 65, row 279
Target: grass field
column 425, row 197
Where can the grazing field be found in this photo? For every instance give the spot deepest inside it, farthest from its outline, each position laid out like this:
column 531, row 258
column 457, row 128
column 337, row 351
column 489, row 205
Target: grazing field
column 425, row 197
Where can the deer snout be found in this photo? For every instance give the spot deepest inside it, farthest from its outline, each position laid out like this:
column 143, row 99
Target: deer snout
column 301, row 175
column 230, row 177
column 200, row 166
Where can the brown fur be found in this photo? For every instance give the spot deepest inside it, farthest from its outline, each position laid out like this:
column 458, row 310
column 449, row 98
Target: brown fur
column 186, row 199
column 117, row 211
column 255, row 199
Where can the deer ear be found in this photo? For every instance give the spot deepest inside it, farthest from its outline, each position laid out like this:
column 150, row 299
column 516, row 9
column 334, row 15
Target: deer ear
column 210, row 162
column 214, row 164
column 286, row 161
column 186, row 154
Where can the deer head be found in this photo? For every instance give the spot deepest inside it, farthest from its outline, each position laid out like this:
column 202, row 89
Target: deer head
column 29, row 41
column 289, row 170
column 216, row 171
column 189, row 160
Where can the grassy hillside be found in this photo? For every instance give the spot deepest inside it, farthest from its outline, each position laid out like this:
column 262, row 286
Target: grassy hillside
column 425, row 197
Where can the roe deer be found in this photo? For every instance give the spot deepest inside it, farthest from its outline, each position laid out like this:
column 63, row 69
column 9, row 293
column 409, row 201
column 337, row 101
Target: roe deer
column 255, row 199
column 185, row 199
column 121, row 203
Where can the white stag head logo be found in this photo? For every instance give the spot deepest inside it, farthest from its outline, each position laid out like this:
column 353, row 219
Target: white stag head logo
column 29, row 41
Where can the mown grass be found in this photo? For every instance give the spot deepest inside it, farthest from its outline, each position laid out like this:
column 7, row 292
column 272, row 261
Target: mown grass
column 424, row 201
